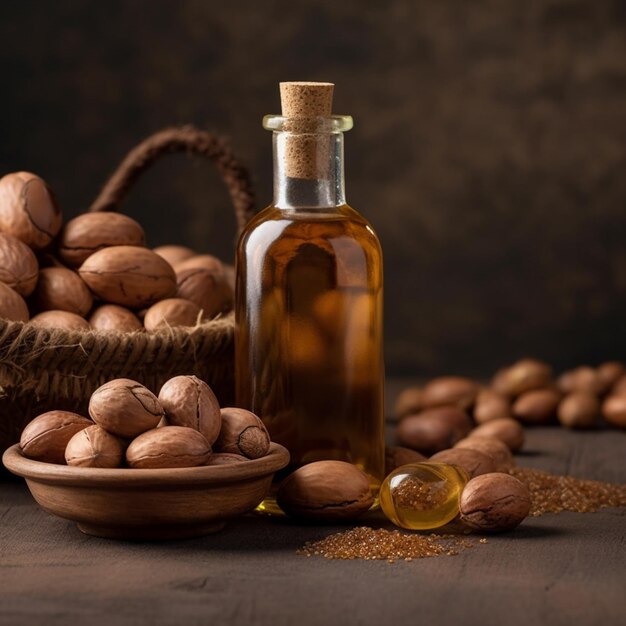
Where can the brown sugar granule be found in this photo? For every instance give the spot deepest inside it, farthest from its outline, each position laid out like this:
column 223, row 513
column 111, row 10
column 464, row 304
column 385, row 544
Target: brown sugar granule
column 550, row 493
column 384, row 545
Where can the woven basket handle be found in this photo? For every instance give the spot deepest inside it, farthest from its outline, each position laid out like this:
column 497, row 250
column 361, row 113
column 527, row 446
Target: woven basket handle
column 180, row 139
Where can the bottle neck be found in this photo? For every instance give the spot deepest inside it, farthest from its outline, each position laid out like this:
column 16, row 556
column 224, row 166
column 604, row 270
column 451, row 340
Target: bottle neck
column 308, row 170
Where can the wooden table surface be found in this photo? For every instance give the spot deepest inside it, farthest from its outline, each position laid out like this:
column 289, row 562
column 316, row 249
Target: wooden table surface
column 565, row 569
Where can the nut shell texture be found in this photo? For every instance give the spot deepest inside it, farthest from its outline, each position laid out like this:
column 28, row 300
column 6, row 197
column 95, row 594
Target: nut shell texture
column 46, row 437
column 242, row 433
column 116, row 318
column 28, row 210
column 129, row 275
column 19, row 268
column 61, row 289
column 325, row 491
column 60, row 320
column 12, row 306
column 473, row 462
column 125, row 408
column 168, row 446
column 494, row 502
column 171, row 312
column 189, row 401
column 94, row 447
column 90, row 232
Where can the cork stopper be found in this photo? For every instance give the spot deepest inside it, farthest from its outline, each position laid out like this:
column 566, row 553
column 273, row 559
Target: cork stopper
column 306, row 100
column 306, row 153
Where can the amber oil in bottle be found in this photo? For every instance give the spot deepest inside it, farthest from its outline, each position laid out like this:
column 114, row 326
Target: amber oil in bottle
column 309, row 355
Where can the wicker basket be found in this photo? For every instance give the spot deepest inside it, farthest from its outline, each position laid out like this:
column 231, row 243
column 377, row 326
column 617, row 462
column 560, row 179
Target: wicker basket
column 43, row 369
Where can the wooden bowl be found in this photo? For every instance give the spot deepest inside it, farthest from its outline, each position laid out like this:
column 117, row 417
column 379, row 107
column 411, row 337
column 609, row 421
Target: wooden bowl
column 148, row 504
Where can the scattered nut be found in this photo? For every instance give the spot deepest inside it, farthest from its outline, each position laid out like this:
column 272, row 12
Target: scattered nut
column 94, row 447
column 491, row 405
column 18, row 265
column 169, row 446
column 115, row 318
column 174, row 254
column 608, row 374
column 433, row 430
column 583, row 378
column 171, row 312
column 60, row 320
column 125, row 408
column 409, row 401
column 46, row 437
column 61, row 289
column 525, row 375
column 494, row 502
column 454, row 390
column 536, row 407
column 189, row 401
column 396, row 456
column 242, row 433
column 473, row 462
column 128, row 275
column 506, row 429
column 614, row 410
column 493, row 448
column 325, row 491
column 579, row 409
column 619, row 387
column 90, row 232
column 12, row 305
column 28, row 210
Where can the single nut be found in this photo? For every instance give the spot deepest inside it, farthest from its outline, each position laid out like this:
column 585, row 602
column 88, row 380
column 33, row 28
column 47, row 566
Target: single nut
column 396, row 456
column 189, row 401
column 128, row 275
column 408, row 402
column 493, row 448
column 242, row 433
column 536, row 407
column 168, row 446
column 454, row 390
column 12, row 305
column 174, row 254
column 125, row 408
column 60, row 289
column 491, row 405
column 325, row 491
column 202, row 280
column 433, row 430
column 115, row 318
column 172, row 312
column 583, row 378
column 90, row 232
column 19, row 268
column 506, row 429
column 525, row 375
column 619, row 387
column 608, row 374
column 614, row 410
column 94, row 447
column 494, row 502
column 61, row 320
column 473, row 462
column 46, row 437
column 580, row 409
column 28, row 210
column 225, row 458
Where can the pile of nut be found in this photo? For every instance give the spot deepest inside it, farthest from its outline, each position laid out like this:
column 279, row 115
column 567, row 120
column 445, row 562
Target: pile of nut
column 130, row 426
column 96, row 271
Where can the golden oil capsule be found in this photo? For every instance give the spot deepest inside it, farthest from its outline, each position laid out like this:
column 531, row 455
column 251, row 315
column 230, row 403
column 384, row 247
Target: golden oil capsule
column 422, row 496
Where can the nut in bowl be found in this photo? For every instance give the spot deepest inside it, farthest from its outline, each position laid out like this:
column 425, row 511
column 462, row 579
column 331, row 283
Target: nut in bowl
column 149, row 504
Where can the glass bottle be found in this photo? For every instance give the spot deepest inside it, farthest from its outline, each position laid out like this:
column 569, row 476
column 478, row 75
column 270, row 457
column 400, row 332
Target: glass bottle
column 309, row 358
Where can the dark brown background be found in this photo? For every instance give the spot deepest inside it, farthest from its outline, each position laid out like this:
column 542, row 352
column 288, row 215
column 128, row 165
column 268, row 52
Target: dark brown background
column 489, row 147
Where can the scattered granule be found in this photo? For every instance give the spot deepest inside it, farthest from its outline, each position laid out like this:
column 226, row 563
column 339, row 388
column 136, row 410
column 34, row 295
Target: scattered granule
column 384, row 545
column 550, row 493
